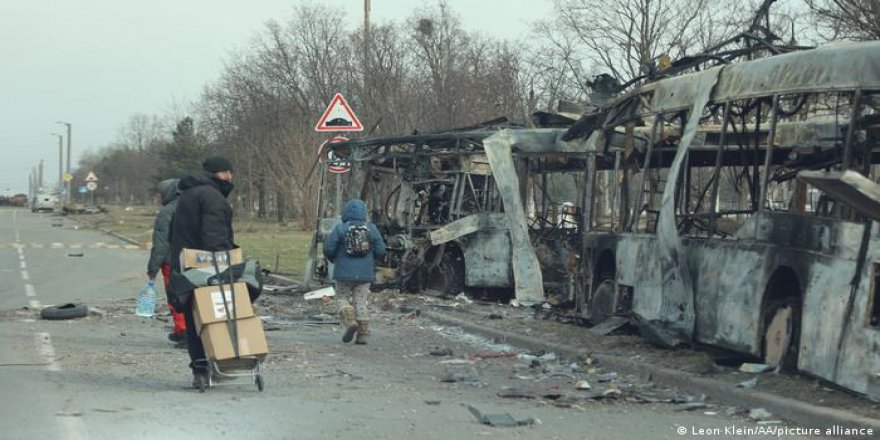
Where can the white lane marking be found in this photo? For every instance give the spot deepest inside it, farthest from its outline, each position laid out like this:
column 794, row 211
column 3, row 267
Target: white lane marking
column 57, row 245
column 76, row 246
column 29, row 290
column 46, row 350
column 34, row 304
column 24, row 275
column 72, row 426
column 23, row 264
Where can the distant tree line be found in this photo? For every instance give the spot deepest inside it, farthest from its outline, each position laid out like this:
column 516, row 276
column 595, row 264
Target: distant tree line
column 423, row 74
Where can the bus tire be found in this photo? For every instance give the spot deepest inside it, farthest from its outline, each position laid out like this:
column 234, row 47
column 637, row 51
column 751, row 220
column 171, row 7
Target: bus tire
column 603, row 301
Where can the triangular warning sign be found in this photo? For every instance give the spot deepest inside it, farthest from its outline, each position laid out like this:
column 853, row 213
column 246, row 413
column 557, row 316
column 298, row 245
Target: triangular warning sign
column 339, row 117
column 91, row 177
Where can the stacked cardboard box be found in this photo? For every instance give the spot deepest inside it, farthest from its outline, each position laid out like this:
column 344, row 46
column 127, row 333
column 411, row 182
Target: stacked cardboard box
column 190, row 258
column 223, row 310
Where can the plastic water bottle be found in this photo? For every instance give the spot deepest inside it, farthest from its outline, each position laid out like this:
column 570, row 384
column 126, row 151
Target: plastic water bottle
column 146, row 300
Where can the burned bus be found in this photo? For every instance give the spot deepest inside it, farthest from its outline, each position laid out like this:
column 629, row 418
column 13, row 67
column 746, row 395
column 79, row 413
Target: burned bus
column 451, row 208
column 734, row 207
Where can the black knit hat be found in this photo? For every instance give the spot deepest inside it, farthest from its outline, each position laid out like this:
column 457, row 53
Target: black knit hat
column 216, row 164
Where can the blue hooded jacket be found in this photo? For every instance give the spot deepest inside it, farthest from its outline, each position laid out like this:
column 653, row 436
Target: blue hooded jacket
column 348, row 268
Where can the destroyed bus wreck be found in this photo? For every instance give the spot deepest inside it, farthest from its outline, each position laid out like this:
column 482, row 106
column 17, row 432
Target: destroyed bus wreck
column 450, row 208
column 748, row 227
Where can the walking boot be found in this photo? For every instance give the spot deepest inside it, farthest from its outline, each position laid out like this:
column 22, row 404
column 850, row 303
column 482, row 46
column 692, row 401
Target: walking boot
column 363, row 330
column 349, row 321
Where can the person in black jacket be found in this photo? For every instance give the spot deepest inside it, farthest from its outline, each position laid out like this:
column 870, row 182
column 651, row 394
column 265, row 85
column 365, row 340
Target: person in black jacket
column 203, row 220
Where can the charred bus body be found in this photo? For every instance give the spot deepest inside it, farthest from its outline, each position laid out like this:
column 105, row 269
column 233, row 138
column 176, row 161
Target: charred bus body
column 732, row 207
column 445, row 203
column 746, row 223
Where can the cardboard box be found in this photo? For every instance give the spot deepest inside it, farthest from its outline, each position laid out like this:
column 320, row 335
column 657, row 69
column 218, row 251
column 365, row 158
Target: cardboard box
column 190, row 258
column 217, row 339
column 209, row 308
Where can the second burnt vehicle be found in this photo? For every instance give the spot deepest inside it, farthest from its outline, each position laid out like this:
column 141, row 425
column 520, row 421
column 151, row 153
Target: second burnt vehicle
column 444, row 202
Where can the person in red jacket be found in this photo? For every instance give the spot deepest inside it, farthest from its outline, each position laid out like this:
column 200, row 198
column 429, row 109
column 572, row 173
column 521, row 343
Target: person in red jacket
column 160, row 254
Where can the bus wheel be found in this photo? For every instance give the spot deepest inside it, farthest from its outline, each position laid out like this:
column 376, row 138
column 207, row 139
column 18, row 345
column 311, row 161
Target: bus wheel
column 603, row 303
column 781, row 334
column 447, row 278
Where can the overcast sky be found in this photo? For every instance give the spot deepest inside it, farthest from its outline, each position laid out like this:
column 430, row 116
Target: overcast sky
column 95, row 63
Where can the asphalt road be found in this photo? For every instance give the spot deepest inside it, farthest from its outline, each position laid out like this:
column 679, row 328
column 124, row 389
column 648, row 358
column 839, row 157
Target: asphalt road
column 113, row 375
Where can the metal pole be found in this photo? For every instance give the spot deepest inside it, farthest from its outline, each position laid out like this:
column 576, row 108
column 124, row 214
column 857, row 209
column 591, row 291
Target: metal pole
column 67, row 169
column 60, row 159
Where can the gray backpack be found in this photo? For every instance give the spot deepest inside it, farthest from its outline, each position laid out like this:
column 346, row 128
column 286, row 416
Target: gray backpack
column 357, row 240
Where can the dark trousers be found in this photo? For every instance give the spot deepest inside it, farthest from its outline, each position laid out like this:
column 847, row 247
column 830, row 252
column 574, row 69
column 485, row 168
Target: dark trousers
column 194, row 342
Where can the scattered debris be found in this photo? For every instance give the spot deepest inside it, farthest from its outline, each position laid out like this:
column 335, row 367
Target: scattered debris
column 748, row 384
column 457, row 362
column 759, row 414
column 514, row 393
column 582, row 385
column 441, row 352
column 320, row 293
column 78, row 254
column 612, row 392
column 493, row 354
column 500, row 420
column 690, row 406
column 279, row 289
column 495, row 316
column 463, row 298
column 537, row 356
column 655, row 333
column 458, row 378
column 609, row 325
column 432, row 402
column 755, row 368
column 351, row 376
column 607, row 377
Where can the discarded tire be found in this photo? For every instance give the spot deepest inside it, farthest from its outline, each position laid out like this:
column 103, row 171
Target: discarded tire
column 65, row 311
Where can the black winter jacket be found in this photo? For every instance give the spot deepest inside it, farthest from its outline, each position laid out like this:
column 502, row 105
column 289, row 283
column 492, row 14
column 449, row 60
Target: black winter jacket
column 203, row 219
column 160, row 252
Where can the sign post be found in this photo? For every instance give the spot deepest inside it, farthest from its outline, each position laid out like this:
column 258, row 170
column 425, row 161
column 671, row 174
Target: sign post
column 92, row 185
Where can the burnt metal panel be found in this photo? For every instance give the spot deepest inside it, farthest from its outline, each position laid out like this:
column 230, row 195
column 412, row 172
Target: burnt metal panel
column 676, row 310
column 814, row 70
column 468, row 225
column 528, row 280
column 487, row 257
column 848, row 187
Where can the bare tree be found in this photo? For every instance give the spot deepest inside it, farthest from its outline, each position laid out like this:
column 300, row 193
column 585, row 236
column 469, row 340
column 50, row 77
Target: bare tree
column 142, row 131
column 853, row 19
column 626, row 36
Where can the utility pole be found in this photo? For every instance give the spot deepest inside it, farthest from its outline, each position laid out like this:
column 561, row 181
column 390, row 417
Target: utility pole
column 60, row 166
column 367, row 7
column 69, row 126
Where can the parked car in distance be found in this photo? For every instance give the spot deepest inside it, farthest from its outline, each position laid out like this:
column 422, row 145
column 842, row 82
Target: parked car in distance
column 44, row 202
